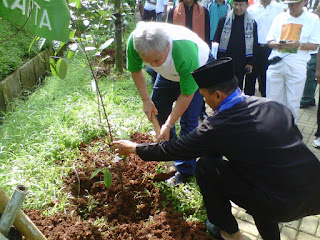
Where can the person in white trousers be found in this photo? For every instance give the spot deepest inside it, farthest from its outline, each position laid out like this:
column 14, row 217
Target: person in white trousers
column 292, row 36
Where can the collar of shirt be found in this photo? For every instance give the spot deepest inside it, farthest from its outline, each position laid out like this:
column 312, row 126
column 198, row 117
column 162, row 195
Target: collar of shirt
column 223, row 2
column 234, row 98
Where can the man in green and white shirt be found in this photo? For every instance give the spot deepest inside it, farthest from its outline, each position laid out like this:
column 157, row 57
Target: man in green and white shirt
column 173, row 52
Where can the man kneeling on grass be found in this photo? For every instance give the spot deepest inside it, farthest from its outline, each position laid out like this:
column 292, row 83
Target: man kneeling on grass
column 269, row 171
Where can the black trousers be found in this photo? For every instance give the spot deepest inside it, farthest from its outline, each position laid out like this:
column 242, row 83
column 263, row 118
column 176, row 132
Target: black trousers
column 149, row 15
column 219, row 184
column 240, row 76
column 259, row 71
column 318, row 118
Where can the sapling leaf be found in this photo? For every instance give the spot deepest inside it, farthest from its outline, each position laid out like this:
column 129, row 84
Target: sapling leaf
column 90, row 48
column 116, row 159
column 104, row 58
column 72, row 34
column 107, row 178
column 53, row 67
column 95, row 173
column 106, row 44
column 70, row 54
column 62, row 68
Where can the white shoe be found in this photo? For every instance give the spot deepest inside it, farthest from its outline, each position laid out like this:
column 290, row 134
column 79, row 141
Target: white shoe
column 316, row 142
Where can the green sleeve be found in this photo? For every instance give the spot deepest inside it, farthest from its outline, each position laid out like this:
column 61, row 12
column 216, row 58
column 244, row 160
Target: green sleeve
column 186, row 60
column 134, row 62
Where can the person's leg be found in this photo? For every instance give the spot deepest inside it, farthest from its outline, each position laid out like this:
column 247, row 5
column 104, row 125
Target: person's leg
column 318, row 118
column 216, row 202
column 145, row 16
column 160, row 17
column 262, row 66
column 219, row 184
column 275, row 86
column 294, row 85
column 154, row 15
column 189, row 121
column 311, row 84
column 316, row 142
column 164, row 93
column 268, row 229
column 240, row 76
column 250, row 83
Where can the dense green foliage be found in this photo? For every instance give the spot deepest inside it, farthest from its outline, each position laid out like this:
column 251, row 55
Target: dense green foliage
column 14, row 52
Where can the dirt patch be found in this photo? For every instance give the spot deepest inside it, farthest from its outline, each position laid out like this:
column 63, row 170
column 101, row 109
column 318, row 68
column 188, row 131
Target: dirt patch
column 104, row 64
column 131, row 208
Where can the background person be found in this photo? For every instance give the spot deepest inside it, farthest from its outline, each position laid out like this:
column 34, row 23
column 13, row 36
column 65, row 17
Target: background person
column 311, row 84
column 299, row 31
column 237, row 38
column 263, row 12
column 161, row 10
column 195, row 17
column 217, row 9
column 316, row 142
column 149, row 10
column 270, row 172
column 192, row 15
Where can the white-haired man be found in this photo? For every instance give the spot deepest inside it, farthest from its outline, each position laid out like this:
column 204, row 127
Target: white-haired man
column 173, row 52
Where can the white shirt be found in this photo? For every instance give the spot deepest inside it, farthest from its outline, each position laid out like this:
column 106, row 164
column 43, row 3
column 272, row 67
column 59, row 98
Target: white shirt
column 149, row 6
column 204, row 3
column 309, row 34
column 160, row 5
column 264, row 18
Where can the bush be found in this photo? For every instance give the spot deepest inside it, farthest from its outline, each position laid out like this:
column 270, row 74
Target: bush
column 14, row 51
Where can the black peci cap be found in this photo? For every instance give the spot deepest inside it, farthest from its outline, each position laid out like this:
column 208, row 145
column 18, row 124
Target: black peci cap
column 214, row 72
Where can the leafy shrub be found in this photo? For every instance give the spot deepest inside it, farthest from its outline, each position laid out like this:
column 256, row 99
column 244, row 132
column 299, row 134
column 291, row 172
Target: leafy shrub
column 14, row 51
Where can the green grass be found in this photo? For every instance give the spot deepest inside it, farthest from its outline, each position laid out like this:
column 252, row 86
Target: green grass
column 14, row 52
column 51, row 124
column 186, row 198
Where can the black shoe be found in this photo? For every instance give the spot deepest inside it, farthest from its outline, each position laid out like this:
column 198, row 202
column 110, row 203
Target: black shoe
column 214, row 230
column 178, row 179
column 306, row 105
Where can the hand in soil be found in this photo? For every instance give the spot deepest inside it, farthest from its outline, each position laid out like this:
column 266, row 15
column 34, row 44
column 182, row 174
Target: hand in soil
column 124, row 147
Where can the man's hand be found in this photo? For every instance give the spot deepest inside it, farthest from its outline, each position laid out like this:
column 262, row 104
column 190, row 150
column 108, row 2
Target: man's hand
column 291, row 44
column 164, row 133
column 124, row 147
column 148, row 108
column 275, row 45
column 318, row 76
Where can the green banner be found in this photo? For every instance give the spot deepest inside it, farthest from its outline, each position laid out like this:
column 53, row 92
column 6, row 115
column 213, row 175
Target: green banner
column 45, row 18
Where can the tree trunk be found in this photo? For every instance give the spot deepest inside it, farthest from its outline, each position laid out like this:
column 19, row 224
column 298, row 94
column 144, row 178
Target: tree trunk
column 118, row 36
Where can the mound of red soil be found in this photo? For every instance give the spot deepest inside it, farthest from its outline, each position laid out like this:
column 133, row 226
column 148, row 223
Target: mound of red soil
column 131, row 208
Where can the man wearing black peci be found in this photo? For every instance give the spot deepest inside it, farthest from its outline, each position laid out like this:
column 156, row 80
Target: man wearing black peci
column 269, row 171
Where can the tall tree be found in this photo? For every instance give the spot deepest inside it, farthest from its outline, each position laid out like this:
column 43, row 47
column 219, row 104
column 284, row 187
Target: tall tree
column 118, row 36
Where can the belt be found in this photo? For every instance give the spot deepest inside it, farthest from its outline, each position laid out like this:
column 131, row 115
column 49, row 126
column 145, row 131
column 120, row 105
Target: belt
column 263, row 45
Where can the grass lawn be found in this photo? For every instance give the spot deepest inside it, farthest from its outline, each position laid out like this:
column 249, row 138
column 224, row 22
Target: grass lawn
column 50, row 125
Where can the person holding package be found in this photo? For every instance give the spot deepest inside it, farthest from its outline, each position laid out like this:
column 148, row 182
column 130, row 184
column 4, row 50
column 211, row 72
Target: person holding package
column 292, row 36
